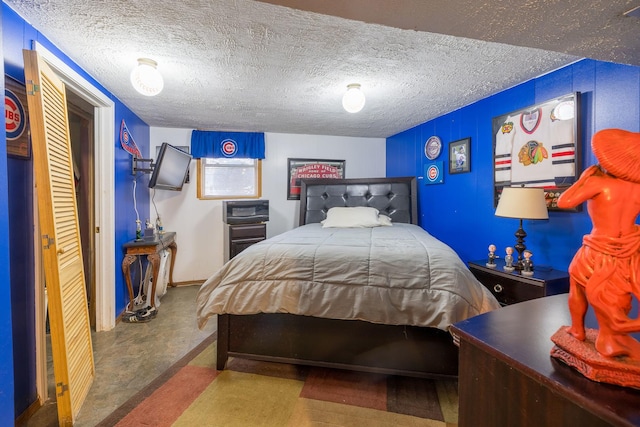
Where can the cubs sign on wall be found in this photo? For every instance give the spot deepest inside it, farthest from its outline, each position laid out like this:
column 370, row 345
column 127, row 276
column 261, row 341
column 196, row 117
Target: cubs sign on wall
column 15, row 119
column 311, row 168
column 434, row 173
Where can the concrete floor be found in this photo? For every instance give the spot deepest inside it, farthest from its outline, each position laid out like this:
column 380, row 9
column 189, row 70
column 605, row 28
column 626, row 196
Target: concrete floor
column 130, row 356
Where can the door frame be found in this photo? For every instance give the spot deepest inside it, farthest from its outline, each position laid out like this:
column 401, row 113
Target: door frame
column 104, row 208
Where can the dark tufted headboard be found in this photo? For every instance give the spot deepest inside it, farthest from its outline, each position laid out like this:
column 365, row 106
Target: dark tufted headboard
column 394, row 197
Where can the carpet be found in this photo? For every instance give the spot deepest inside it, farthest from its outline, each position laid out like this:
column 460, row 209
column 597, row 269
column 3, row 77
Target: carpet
column 252, row 393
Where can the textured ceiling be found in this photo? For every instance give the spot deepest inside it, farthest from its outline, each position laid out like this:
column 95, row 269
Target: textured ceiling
column 245, row 65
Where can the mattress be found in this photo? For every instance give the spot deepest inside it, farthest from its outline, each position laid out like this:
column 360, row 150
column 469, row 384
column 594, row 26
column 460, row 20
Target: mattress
column 396, row 275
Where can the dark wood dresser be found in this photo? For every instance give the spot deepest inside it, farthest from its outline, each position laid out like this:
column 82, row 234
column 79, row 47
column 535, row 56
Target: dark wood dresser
column 508, row 378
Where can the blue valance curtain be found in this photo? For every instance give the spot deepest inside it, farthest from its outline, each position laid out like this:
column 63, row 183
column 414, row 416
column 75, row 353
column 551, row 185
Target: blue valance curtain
column 242, row 145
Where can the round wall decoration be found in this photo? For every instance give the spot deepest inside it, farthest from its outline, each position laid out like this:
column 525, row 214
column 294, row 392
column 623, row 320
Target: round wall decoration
column 432, row 147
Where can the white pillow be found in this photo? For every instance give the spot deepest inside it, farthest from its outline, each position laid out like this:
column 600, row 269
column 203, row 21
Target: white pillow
column 384, row 220
column 359, row 216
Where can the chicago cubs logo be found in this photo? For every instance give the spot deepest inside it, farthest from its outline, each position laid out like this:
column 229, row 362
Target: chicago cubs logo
column 229, row 147
column 13, row 115
column 127, row 142
column 433, row 173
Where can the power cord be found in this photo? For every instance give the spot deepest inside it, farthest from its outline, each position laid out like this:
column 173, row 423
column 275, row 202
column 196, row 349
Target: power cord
column 135, row 208
column 159, row 228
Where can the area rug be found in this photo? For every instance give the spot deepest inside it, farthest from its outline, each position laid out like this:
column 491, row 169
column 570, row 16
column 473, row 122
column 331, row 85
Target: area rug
column 251, row 393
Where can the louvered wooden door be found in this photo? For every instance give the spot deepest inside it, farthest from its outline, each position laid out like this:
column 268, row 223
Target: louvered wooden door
column 73, row 363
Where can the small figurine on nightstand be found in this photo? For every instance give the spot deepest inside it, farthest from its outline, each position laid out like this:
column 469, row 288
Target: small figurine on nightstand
column 527, row 264
column 508, row 259
column 491, row 263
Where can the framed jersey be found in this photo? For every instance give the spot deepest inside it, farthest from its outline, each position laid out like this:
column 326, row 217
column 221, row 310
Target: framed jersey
column 538, row 146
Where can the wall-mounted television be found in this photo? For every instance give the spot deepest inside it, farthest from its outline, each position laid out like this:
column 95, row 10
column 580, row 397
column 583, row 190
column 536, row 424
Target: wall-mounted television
column 171, row 168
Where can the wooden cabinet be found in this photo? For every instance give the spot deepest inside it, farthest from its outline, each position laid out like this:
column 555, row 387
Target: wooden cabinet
column 513, row 287
column 508, row 378
column 240, row 236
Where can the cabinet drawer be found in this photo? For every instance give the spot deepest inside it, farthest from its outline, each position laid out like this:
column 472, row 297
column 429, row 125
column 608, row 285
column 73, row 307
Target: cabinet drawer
column 241, row 236
column 238, row 246
column 507, row 290
column 248, row 231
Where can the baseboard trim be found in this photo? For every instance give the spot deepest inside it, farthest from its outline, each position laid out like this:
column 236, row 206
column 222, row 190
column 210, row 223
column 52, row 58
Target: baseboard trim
column 29, row 412
column 188, row 283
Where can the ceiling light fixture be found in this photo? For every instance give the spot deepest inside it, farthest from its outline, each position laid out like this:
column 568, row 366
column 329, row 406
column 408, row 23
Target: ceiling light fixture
column 146, row 78
column 353, row 99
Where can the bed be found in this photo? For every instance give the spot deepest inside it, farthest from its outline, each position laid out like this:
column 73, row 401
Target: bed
column 375, row 298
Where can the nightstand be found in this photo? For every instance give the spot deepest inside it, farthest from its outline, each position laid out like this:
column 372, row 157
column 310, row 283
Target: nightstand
column 513, row 287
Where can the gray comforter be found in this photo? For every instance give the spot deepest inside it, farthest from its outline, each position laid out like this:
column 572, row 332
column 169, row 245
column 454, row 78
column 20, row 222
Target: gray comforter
column 397, row 275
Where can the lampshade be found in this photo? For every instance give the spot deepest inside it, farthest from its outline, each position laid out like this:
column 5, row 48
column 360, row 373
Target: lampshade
column 353, row 100
column 146, row 78
column 522, row 203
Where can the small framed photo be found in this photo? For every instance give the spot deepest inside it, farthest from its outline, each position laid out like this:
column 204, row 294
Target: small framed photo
column 460, row 156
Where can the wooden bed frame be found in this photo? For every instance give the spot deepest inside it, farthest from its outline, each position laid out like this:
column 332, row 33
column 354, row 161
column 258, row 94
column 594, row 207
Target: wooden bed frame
column 345, row 344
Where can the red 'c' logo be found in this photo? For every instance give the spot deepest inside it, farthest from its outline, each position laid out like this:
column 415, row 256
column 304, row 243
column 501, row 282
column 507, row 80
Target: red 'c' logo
column 229, row 147
column 432, row 173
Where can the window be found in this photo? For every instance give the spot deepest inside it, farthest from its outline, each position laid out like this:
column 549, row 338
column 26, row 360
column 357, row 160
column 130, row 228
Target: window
column 223, row 178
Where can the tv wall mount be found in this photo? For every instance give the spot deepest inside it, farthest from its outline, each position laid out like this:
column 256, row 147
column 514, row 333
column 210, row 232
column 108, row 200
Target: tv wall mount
column 141, row 165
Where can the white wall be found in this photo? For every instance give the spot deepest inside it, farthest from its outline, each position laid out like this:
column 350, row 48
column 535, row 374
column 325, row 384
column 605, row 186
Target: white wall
column 198, row 223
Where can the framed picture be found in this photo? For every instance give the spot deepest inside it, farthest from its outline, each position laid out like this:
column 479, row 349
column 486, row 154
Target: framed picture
column 538, row 146
column 434, row 173
column 310, row 168
column 16, row 119
column 460, row 156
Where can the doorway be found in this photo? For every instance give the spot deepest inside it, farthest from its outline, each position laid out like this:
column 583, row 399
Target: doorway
column 82, row 149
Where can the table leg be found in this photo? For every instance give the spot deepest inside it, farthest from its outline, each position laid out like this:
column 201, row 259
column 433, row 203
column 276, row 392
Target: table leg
column 154, row 262
column 173, row 247
column 126, row 264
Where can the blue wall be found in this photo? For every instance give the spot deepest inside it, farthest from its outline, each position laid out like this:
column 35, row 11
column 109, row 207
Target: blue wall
column 17, row 389
column 460, row 211
column 125, row 226
column 7, row 412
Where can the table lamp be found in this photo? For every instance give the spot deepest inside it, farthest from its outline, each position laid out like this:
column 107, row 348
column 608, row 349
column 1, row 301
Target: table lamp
column 522, row 203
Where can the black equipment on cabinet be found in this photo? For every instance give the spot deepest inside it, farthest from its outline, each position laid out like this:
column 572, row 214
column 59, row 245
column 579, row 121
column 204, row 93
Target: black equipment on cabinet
column 245, row 211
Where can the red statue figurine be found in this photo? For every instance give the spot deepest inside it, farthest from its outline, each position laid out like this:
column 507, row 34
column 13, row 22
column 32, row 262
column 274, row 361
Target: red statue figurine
column 605, row 272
